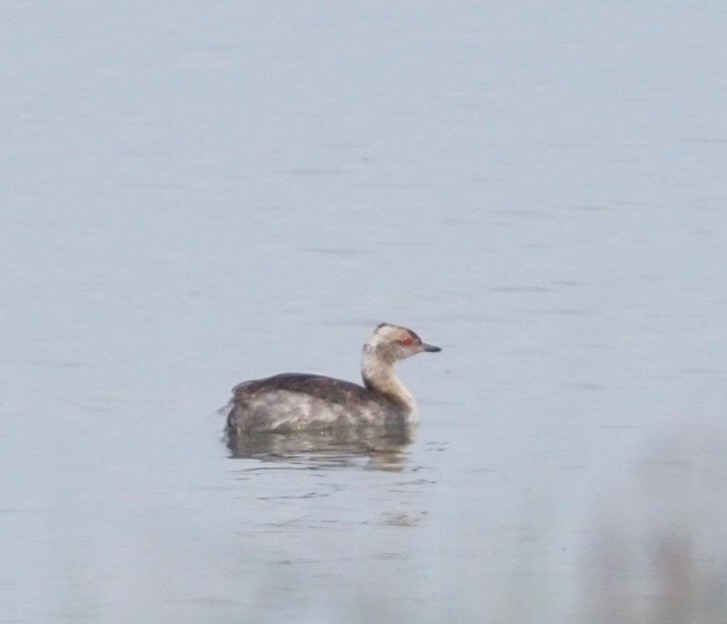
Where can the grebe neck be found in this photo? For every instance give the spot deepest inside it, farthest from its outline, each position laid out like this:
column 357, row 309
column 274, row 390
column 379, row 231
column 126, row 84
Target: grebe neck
column 378, row 375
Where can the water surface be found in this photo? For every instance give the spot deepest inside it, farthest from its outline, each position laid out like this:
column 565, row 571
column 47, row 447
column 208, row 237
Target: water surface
column 194, row 195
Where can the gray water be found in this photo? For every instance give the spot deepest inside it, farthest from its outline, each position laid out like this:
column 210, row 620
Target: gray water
column 194, row 194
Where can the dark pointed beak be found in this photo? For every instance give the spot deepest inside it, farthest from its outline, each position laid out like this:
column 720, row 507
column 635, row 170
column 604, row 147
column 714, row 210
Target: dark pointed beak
column 430, row 348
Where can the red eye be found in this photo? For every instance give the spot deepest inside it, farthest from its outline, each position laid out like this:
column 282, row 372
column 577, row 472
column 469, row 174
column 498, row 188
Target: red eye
column 407, row 342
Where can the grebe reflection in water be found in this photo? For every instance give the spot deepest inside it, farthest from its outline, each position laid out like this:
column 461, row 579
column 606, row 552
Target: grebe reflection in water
column 298, row 402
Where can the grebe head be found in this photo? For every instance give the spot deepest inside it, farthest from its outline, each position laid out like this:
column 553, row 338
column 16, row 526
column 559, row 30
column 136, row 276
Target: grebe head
column 392, row 343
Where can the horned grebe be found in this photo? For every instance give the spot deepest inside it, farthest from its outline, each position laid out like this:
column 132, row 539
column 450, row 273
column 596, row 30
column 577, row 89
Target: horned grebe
column 296, row 402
